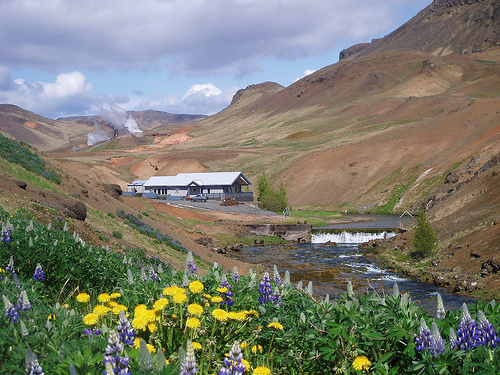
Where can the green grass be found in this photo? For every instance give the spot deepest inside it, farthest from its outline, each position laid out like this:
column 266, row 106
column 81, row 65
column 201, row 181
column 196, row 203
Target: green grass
column 18, row 172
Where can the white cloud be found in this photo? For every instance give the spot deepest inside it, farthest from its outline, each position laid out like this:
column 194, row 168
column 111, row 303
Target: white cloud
column 71, row 94
column 194, row 37
column 66, row 84
column 306, row 73
column 206, row 89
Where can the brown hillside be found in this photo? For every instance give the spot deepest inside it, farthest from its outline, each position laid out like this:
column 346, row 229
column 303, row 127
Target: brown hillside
column 443, row 28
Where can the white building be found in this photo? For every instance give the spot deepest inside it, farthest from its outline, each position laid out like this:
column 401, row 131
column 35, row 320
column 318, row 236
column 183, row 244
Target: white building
column 216, row 185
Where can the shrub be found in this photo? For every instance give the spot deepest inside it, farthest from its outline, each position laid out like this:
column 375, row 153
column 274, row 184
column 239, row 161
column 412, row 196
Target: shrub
column 117, row 234
column 424, row 239
column 269, row 198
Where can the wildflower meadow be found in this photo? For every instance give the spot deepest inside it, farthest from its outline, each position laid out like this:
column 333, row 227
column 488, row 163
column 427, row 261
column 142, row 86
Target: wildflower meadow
column 71, row 308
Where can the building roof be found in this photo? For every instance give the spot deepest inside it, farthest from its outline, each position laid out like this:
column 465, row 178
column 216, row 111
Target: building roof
column 137, row 183
column 200, row 179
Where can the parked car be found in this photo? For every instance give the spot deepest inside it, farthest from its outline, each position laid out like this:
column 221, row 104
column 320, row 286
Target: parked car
column 199, row 198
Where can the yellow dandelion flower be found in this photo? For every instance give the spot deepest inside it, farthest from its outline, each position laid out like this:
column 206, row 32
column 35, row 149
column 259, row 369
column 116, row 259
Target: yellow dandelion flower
column 112, row 303
column 51, row 317
column 152, row 327
column 197, row 345
column 196, row 287
column 239, row 316
column 115, row 295
column 83, row 298
column 137, row 341
column 222, row 290
column 140, row 308
column 207, row 296
column 275, row 325
column 361, row 363
column 170, row 290
column 246, row 363
column 160, row 304
column 220, row 315
column 243, row 345
column 256, row 348
column 116, row 309
column 195, row 309
column 65, row 306
column 101, row 310
column 104, row 297
column 148, row 315
column 216, row 299
column 139, row 323
column 252, row 313
column 90, row 319
column 259, row 328
column 151, row 348
column 2, row 270
column 261, row 370
column 193, row 323
column 179, row 298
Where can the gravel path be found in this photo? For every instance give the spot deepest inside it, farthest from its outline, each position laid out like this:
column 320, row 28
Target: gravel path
column 212, row 205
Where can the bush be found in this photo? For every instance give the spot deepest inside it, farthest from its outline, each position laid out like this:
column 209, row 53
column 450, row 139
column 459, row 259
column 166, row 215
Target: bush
column 117, row 234
column 269, row 198
column 424, row 239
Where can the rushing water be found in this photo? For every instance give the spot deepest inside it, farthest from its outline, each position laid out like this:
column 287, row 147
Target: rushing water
column 333, row 259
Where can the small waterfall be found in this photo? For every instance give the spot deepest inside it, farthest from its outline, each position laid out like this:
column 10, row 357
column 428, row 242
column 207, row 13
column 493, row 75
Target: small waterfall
column 349, row 236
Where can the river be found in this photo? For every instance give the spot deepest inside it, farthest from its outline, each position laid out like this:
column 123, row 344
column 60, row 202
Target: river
column 330, row 266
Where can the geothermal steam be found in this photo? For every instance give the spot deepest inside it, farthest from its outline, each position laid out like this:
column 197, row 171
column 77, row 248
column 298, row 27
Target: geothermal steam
column 115, row 117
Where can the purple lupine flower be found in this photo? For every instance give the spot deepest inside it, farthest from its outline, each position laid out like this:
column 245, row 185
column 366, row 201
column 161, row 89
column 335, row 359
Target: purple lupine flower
column 441, row 312
column 276, row 277
column 23, row 303
column 226, row 296
column 469, row 336
column 152, row 274
column 265, row 289
column 276, row 297
column 10, row 266
column 233, row 363
column 190, row 266
column 39, row 274
column 424, row 336
column 144, row 277
column 125, row 330
column 5, row 233
column 32, row 365
column 114, row 363
column 235, row 276
column 189, row 365
column 490, row 334
column 453, row 339
column 437, row 343
column 10, row 310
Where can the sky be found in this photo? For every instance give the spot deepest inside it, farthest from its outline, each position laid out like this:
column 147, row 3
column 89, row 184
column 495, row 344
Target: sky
column 63, row 57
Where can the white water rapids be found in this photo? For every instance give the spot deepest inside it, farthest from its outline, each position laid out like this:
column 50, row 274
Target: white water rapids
column 349, row 237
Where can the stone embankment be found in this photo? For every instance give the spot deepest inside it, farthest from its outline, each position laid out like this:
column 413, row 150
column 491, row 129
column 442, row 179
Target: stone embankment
column 288, row 232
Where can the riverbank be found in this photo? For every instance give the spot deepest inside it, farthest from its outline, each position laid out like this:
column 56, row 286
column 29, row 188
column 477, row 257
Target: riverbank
column 458, row 270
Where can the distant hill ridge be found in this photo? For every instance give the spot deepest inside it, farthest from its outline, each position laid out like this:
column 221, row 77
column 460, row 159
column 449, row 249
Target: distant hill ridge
column 444, row 27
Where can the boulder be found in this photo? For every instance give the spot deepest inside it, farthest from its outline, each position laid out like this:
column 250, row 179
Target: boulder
column 113, row 189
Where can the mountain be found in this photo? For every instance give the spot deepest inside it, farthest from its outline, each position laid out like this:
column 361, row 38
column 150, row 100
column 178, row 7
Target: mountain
column 47, row 134
column 444, row 27
column 148, row 119
column 43, row 133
